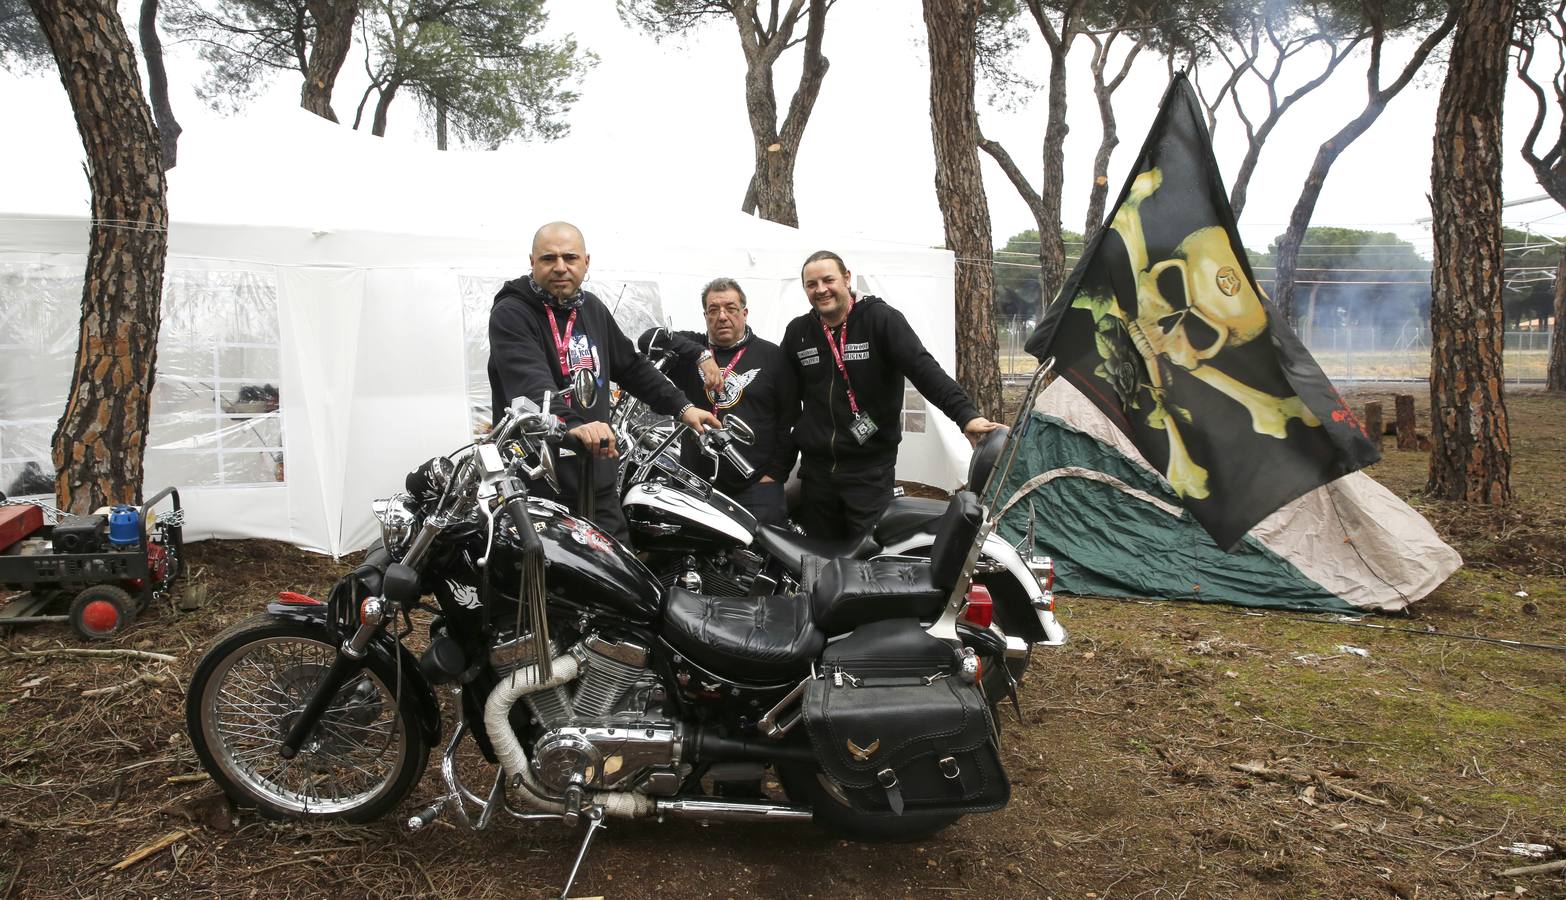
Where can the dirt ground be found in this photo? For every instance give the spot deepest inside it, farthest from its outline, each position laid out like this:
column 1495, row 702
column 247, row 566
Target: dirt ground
column 1170, row 750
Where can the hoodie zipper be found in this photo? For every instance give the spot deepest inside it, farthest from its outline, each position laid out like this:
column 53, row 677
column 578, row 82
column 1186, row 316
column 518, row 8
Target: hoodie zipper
column 832, row 414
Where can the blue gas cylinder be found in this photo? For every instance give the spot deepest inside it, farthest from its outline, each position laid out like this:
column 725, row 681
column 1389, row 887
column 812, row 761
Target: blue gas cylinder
column 124, row 525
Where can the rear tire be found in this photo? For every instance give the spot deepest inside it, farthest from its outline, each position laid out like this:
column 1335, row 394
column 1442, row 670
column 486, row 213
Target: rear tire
column 359, row 763
column 804, row 784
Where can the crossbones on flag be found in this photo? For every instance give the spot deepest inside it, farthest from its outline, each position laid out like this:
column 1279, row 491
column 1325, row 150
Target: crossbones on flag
column 1162, row 325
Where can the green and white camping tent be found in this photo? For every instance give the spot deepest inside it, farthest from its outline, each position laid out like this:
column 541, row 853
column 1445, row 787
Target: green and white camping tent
column 1114, row 527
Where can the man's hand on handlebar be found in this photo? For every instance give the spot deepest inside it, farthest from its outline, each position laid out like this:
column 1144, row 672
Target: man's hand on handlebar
column 596, row 438
column 699, row 419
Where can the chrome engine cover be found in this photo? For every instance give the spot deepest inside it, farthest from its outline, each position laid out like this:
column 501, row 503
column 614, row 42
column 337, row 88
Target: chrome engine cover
column 598, row 729
column 606, row 758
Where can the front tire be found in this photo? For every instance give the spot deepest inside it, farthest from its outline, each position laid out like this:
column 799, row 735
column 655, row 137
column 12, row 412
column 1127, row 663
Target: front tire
column 805, row 784
column 360, row 761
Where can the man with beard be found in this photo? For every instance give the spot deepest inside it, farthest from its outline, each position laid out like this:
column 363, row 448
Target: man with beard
column 851, row 355
column 753, row 382
column 543, row 328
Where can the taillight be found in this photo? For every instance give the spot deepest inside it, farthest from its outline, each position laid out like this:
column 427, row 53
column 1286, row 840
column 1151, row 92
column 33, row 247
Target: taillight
column 292, row 598
column 980, row 610
column 1049, row 574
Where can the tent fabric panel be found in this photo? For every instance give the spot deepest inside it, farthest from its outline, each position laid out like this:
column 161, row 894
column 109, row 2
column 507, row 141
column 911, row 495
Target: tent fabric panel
column 1107, row 540
column 402, row 390
column 1352, row 536
column 1360, row 541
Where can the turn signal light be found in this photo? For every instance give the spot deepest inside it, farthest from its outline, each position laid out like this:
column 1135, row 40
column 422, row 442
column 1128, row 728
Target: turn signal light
column 980, row 610
column 293, row 598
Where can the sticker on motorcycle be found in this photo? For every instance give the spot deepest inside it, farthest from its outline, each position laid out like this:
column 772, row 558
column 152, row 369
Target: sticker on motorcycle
column 590, row 537
column 465, row 595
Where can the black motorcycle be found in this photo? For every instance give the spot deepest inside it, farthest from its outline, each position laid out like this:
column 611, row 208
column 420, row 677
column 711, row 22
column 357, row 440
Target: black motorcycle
column 594, row 691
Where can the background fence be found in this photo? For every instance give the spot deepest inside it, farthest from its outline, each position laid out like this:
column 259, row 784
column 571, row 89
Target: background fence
column 1361, row 353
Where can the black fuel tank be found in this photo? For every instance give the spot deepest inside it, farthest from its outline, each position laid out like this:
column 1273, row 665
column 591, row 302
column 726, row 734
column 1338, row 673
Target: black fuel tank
column 587, row 566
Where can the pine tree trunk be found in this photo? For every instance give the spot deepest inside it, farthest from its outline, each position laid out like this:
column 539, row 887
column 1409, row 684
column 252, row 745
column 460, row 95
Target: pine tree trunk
column 770, row 193
column 1555, row 375
column 382, row 104
column 333, row 38
column 1470, row 443
column 158, row 83
column 959, row 189
column 440, row 123
column 102, row 435
column 1052, row 252
column 1375, row 103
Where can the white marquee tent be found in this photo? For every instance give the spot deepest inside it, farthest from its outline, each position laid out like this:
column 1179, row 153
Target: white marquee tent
column 325, row 316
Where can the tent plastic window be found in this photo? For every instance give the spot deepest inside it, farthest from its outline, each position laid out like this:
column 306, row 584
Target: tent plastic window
column 216, row 416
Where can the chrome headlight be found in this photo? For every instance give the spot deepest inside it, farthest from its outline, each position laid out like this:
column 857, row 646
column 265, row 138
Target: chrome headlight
column 397, row 519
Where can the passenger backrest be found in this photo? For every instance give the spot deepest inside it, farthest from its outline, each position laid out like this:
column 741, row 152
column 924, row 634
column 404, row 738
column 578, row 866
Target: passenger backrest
column 953, row 538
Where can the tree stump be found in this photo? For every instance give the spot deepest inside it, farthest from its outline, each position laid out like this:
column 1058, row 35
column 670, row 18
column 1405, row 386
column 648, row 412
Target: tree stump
column 1375, row 426
column 1407, row 437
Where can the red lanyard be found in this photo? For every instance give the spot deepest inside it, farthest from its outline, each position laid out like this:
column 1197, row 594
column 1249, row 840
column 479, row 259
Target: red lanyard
column 837, row 354
column 562, row 345
column 728, row 370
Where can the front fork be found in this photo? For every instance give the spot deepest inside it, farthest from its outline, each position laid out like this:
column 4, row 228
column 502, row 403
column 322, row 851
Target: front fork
column 350, row 662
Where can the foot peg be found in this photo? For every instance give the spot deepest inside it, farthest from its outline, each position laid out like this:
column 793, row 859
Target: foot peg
column 419, row 820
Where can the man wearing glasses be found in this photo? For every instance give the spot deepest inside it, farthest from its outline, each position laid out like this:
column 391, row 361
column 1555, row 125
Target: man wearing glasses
column 731, row 371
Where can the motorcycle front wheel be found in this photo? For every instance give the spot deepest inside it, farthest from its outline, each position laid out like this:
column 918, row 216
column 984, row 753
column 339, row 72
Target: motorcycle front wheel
column 361, row 760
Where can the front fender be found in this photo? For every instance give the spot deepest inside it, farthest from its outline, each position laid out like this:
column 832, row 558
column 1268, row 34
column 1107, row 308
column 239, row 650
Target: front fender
column 389, row 654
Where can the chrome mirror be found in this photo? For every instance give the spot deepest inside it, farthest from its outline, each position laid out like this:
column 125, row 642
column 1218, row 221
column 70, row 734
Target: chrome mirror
column 741, row 429
column 584, row 388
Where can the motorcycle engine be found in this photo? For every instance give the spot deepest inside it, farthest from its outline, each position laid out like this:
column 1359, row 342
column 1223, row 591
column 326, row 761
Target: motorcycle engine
column 598, row 728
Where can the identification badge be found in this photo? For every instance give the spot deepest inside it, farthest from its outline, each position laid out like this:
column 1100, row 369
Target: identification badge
column 863, row 427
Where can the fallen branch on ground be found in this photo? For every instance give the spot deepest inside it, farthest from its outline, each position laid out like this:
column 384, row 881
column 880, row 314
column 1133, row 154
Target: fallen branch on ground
column 91, row 653
column 152, row 678
column 1540, row 869
column 143, row 852
column 1258, row 770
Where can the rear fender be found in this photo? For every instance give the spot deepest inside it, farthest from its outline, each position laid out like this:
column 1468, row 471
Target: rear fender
column 387, row 653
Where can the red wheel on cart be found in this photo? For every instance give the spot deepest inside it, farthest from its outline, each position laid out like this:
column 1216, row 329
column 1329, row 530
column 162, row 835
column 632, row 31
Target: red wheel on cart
column 101, row 611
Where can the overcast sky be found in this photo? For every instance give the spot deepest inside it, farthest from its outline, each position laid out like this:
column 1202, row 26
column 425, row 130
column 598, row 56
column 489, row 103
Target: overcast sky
column 673, row 113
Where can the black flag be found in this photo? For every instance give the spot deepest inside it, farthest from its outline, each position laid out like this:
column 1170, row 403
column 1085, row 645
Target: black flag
column 1162, row 325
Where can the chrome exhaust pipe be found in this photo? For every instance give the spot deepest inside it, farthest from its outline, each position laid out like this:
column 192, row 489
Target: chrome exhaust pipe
column 735, row 811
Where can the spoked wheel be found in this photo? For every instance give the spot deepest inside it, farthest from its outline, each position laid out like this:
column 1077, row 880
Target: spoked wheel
column 805, row 784
column 363, row 758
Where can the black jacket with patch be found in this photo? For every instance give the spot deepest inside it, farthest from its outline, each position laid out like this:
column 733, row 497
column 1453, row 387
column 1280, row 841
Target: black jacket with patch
column 523, row 360
column 761, row 390
column 879, row 350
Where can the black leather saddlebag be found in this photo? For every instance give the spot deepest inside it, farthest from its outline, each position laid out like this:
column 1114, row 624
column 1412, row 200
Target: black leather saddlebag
column 896, row 727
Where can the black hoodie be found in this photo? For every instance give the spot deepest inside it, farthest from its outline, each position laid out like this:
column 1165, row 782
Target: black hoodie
column 523, row 360
column 879, row 349
column 760, row 389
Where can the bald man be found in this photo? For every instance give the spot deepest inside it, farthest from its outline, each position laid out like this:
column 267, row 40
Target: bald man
column 543, row 328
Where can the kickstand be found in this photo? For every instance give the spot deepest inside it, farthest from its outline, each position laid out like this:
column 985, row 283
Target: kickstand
column 1011, row 688
column 595, row 821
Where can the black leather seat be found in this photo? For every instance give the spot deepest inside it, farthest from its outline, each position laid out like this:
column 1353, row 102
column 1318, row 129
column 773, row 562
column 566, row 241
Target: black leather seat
column 908, row 516
column 848, row 592
column 791, row 549
column 755, row 639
